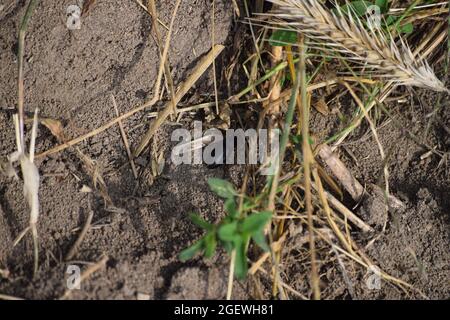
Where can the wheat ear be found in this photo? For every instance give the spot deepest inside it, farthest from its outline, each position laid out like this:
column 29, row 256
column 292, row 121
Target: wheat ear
column 346, row 34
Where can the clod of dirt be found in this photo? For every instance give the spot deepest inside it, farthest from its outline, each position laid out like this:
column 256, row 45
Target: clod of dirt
column 374, row 210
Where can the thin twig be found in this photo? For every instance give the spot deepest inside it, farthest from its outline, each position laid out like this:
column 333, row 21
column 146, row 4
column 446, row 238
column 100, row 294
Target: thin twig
column 146, row 10
column 213, row 43
column 307, row 162
column 8, row 297
column 76, row 245
column 125, row 140
column 152, row 7
column 231, row 274
column 335, row 203
column 116, row 121
column 340, row 171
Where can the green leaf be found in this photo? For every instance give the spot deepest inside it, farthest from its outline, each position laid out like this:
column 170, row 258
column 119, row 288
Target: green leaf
column 228, row 246
column 407, row 28
column 240, row 265
column 383, row 4
column 228, row 232
column 190, row 252
column 199, row 221
column 210, row 244
column 247, row 205
column 230, row 208
column 390, row 20
column 256, row 222
column 357, row 8
column 222, row 188
column 281, row 38
column 260, row 240
column 298, row 139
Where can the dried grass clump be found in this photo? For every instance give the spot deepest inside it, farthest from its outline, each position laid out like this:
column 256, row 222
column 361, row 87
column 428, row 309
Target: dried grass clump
column 344, row 33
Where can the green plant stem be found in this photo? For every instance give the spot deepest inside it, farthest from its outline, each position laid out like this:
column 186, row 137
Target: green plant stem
column 396, row 26
column 20, row 53
column 267, row 76
column 358, row 117
column 284, row 140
